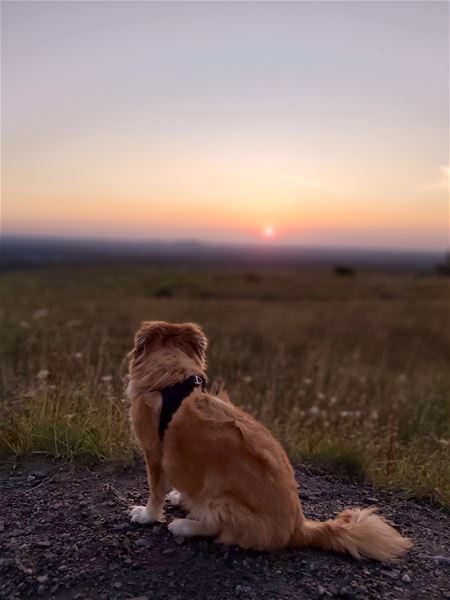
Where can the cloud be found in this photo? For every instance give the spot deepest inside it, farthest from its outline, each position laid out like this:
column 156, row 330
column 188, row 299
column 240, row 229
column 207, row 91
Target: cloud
column 307, row 183
column 441, row 182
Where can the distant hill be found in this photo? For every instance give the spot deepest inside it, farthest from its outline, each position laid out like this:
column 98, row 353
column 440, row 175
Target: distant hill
column 28, row 252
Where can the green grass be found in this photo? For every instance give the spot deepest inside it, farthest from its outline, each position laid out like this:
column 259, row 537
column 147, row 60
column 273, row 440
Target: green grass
column 352, row 373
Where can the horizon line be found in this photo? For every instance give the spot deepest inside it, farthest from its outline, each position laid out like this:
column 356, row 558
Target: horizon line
column 259, row 244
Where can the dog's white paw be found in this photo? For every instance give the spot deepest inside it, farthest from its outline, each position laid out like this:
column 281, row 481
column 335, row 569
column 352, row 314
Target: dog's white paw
column 180, row 527
column 144, row 516
column 174, row 497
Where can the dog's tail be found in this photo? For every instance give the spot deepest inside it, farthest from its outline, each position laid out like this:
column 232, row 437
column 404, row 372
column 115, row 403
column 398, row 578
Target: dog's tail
column 359, row 532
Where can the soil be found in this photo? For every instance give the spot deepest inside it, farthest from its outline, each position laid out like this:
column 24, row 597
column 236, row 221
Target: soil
column 65, row 534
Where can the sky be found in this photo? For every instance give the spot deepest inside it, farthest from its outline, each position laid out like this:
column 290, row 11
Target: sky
column 310, row 123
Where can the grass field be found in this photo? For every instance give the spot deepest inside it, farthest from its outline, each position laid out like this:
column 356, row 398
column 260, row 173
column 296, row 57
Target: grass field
column 351, row 372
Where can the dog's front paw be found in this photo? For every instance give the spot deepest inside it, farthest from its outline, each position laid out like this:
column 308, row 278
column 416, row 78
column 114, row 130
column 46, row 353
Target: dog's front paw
column 174, row 497
column 144, row 516
column 181, row 527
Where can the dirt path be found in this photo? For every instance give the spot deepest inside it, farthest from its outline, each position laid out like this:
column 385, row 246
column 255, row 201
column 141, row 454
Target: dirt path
column 65, row 534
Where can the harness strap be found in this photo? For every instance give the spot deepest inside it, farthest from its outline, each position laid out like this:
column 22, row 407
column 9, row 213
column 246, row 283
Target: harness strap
column 173, row 396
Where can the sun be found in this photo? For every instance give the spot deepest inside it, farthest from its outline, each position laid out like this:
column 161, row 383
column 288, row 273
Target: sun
column 268, row 232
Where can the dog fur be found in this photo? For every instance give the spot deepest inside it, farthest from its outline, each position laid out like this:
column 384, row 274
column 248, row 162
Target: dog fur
column 228, row 471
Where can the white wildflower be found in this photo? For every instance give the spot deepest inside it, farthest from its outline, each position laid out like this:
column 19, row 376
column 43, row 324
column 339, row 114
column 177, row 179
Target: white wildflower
column 350, row 413
column 40, row 313
column 42, row 375
column 107, row 378
column 73, row 323
column 314, row 411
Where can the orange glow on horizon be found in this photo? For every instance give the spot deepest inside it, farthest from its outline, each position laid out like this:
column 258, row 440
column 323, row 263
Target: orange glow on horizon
column 268, row 232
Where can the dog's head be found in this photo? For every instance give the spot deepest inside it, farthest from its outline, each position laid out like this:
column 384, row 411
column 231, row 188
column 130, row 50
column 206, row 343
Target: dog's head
column 155, row 336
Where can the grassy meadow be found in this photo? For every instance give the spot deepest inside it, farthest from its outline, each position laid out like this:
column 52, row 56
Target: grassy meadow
column 351, row 373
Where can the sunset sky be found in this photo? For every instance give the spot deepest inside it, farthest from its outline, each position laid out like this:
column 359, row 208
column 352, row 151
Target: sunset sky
column 313, row 123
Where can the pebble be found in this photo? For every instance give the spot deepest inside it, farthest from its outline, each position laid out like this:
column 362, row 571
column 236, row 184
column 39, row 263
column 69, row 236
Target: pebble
column 406, row 578
column 42, row 578
column 392, row 574
column 2, row 526
column 444, row 560
column 243, row 589
column 143, row 543
column 16, row 532
column 169, row 551
column 322, row 591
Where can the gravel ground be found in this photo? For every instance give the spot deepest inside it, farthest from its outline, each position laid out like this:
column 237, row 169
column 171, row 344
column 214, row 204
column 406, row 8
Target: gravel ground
column 65, row 533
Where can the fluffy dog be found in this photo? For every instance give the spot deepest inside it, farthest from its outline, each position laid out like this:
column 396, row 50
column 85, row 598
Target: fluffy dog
column 227, row 469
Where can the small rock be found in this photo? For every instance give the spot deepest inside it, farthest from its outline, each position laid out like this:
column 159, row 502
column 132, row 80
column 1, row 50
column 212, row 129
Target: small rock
column 392, row 574
column 42, row 578
column 406, row 578
column 42, row 375
column 322, row 591
column 143, row 543
column 31, row 478
column 6, row 562
column 43, row 544
column 169, row 551
column 242, row 589
column 16, row 532
column 41, row 590
column 117, row 585
column 444, row 560
column 2, row 526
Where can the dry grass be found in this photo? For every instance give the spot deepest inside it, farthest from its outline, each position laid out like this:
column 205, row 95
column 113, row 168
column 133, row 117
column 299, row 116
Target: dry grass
column 349, row 372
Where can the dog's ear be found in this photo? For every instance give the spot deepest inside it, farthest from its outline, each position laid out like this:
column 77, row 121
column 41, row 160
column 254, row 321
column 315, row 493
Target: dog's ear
column 194, row 342
column 148, row 333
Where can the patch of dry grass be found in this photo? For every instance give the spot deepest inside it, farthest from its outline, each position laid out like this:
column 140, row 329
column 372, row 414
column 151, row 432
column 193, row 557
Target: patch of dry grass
column 350, row 372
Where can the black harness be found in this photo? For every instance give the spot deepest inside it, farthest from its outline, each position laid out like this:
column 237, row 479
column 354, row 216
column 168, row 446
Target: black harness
column 173, row 396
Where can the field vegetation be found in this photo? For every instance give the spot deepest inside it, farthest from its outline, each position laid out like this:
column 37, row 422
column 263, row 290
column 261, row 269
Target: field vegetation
column 350, row 372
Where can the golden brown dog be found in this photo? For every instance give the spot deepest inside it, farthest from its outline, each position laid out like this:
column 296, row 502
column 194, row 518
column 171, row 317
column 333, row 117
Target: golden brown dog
column 227, row 469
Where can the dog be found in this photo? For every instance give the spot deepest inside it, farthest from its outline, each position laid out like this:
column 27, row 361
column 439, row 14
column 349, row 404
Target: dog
column 228, row 471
